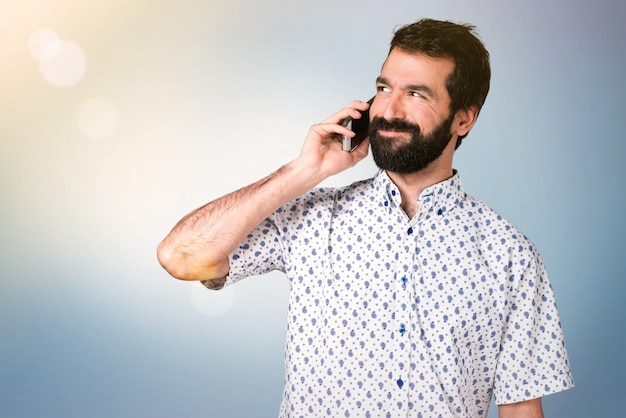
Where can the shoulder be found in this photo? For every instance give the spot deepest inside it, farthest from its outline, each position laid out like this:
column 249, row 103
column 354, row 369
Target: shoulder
column 314, row 210
column 491, row 227
column 328, row 197
column 317, row 206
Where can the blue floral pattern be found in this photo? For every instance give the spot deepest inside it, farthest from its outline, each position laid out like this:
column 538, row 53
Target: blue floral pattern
column 391, row 316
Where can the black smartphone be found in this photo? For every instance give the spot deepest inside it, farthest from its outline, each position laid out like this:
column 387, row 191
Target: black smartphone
column 359, row 127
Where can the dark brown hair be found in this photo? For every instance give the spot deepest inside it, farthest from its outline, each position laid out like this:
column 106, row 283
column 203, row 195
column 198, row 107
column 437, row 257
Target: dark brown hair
column 468, row 84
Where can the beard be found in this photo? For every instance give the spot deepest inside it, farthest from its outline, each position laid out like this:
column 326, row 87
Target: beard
column 392, row 155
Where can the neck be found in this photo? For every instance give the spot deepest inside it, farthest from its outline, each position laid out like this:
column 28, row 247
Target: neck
column 411, row 185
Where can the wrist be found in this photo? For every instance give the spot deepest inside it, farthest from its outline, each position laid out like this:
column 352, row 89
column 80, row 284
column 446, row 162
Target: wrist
column 300, row 176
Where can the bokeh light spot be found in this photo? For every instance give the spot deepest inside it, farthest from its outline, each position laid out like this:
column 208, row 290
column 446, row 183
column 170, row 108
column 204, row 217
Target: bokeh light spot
column 40, row 40
column 212, row 302
column 97, row 118
column 62, row 63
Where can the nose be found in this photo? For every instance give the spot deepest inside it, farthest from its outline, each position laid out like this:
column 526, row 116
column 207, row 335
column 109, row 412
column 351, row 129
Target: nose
column 393, row 108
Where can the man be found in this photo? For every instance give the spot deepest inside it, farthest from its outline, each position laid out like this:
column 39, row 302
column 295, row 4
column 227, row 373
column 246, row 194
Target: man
column 408, row 297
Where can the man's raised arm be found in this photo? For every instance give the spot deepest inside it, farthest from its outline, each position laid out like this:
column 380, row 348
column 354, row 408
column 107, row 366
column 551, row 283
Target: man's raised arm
column 199, row 245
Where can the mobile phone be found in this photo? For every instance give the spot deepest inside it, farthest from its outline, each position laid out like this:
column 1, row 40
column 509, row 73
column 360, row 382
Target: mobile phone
column 359, row 127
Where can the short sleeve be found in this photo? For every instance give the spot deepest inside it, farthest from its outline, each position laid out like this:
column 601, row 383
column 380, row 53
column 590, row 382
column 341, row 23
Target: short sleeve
column 533, row 360
column 259, row 253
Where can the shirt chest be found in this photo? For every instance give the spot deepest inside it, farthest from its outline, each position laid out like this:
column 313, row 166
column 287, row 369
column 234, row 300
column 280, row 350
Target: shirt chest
column 436, row 278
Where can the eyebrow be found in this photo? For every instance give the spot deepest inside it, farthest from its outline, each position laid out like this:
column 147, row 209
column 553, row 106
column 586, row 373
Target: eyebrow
column 412, row 87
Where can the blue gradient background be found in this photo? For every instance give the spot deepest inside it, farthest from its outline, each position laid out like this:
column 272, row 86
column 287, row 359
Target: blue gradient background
column 213, row 95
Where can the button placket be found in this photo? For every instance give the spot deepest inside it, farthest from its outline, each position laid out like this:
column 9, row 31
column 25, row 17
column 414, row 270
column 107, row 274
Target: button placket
column 403, row 305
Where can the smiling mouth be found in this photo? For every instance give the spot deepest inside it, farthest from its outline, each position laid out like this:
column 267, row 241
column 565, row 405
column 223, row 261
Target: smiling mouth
column 392, row 132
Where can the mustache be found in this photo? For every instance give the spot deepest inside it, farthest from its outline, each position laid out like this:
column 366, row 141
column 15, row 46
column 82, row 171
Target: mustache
column 399, row 125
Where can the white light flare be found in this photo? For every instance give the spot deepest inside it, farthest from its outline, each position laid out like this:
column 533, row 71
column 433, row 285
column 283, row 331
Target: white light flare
column 62, row 63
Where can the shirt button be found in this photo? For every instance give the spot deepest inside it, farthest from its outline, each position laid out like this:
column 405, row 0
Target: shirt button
column 400, row 383
column 402, row 329
column 409, row 231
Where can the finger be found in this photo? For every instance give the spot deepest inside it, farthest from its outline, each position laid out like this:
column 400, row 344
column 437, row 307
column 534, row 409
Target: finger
column 331, row 130
column 362, row 149
column 353, row 110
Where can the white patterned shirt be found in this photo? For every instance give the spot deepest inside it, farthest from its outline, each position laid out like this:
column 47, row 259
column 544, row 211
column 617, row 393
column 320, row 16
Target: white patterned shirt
column 396, row 317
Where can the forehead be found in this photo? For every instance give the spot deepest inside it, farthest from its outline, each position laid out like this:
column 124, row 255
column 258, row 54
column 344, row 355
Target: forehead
column 402, row 69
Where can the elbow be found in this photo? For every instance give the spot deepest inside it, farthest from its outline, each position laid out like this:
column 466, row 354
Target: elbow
column 170, row 261
column 183, row 266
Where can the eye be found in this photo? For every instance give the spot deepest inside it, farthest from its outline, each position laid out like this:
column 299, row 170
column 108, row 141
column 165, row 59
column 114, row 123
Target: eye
column 382, row 89
column 415, row 94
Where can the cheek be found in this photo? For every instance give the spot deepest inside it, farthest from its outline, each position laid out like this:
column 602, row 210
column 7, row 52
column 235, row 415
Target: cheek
column 424, row 118
column 376, row 108
column 430, row 117
column 415, row 113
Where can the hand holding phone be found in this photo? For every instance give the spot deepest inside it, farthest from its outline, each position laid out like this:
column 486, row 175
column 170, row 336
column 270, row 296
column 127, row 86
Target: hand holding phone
column 359, row 127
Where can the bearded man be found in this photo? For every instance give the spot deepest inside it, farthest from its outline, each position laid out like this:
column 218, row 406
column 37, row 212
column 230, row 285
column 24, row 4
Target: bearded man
column 408, row 296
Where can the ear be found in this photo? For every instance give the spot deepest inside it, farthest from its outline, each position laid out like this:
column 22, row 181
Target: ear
column 464, row 121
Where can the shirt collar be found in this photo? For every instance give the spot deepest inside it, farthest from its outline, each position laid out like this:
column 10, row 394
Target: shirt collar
column 435, row 200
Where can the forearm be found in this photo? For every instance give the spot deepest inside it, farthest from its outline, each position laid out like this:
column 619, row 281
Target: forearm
column 525, row 409
column 198, row 246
